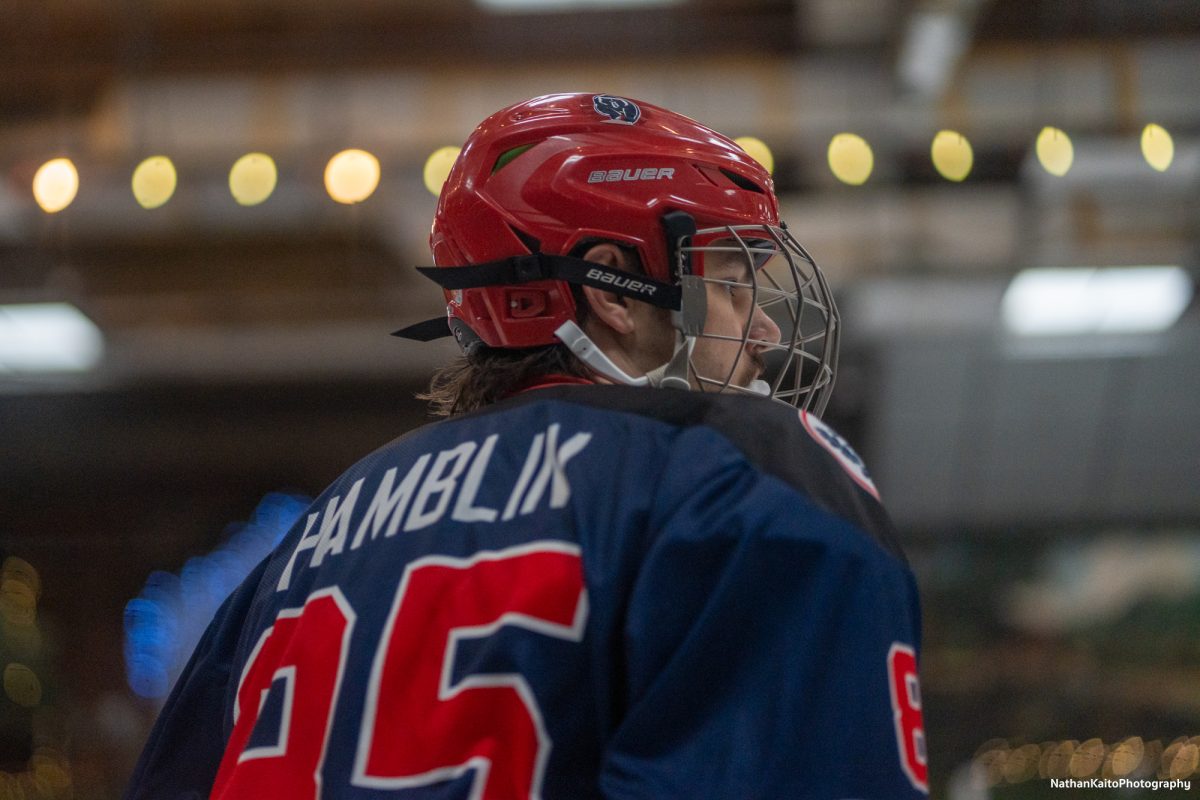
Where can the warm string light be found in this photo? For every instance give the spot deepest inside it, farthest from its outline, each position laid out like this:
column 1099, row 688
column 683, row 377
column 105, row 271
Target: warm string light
column 952, row 155
column 850, row 158
column 55, row 184
column 1054, row 151
column 352, row 176
column 20, row 588
column 437, row 168
column 154, row 181
column 1133, row 758
column 758, row 150
column 252, row 178
column 1157, row 147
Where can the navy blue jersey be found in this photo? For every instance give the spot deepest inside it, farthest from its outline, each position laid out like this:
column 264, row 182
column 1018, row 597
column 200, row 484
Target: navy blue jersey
column 581, row 592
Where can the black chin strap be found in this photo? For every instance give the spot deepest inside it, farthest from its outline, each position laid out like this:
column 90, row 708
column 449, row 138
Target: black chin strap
column 678, row 225
column 540, row 267
column 425, row 331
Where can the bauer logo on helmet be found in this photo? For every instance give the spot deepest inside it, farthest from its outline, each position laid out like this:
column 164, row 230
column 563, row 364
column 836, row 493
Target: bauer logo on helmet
column 643, row 174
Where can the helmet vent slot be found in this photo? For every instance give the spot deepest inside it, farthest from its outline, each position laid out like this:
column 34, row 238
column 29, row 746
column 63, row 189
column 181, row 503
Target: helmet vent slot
column 741, row 181
column 507, row 157
column 532, row 244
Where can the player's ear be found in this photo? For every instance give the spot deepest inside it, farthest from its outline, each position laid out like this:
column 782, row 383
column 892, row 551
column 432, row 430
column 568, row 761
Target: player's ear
column 606, row 307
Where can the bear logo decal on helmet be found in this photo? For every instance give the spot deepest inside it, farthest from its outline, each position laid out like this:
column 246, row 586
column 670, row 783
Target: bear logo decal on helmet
column 617, row 109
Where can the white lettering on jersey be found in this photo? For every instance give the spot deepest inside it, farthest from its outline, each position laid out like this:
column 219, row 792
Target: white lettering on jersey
column 464, row 510
column 389, row 506
column 306, row 543
column 560, row 492
column 335, row 525
column 555, row 459
column 531, row 462
column 441, row 484
column 424, row 495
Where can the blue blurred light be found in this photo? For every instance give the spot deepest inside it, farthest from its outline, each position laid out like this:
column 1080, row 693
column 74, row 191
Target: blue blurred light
column 164, row 622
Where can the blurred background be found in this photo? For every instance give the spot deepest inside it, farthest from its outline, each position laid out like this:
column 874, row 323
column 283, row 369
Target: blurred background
column 188, row 348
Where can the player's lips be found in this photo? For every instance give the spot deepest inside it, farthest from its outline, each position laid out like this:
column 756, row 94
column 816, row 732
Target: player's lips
column 760, row 365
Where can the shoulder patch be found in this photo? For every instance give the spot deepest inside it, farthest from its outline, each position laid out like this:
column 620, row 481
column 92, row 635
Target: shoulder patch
column 828, row 438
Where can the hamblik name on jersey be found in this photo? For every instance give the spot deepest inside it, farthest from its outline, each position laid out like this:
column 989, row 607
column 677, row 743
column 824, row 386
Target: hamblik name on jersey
column 423, row 496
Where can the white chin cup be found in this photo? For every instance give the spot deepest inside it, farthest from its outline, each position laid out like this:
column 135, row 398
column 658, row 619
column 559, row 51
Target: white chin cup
column 586, row 351
column 760, row 387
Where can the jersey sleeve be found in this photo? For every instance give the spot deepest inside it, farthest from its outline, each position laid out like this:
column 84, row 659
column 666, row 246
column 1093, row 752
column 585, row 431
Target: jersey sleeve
column 187, row 742
column 758, row 647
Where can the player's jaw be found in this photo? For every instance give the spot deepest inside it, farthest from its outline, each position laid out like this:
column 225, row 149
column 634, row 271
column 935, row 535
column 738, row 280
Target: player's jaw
column 750, row 368
column 722, row 362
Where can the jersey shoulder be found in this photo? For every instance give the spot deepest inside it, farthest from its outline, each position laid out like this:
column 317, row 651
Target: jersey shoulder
column 795, row 447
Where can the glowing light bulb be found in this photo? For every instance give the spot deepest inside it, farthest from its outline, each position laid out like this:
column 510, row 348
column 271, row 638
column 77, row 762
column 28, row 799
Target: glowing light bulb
column 22, row 685
column 1054, row 151
column 1157, row 147
column 351, row 176
column 850, row 158
column 952, row 155
column 437, row 168
column 758, row 150
column 55, row 185
column 154, row 181
column 252, row 178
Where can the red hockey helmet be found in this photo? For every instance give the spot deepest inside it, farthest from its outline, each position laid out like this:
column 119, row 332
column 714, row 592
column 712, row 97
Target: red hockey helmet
column 539, row 179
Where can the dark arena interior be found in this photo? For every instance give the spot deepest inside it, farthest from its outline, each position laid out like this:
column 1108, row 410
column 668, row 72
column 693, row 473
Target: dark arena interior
column 209, row 217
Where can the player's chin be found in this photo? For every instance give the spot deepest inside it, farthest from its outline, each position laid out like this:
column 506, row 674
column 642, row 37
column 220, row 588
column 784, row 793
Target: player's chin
column 750, row 379
column 743, row 379
column 750, row 371
column 745, row 372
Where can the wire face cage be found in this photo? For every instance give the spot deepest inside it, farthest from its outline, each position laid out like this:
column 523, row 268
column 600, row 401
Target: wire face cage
column 764, row 268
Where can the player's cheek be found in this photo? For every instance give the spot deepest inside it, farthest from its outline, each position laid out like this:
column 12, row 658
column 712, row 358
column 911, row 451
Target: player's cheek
column 723, row 316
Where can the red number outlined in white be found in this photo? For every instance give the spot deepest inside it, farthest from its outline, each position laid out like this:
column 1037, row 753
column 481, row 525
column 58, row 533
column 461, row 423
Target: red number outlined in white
column 228, row 777
column 448, row 691
column 904, row 687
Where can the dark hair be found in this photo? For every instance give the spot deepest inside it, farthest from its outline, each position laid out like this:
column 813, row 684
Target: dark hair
column 488, row 374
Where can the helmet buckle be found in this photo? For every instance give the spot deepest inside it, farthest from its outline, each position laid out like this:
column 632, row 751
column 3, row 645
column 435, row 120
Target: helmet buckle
column 528, row 268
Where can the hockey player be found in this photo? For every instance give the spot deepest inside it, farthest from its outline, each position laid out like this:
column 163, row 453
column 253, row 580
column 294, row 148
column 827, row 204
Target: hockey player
column 632, row 563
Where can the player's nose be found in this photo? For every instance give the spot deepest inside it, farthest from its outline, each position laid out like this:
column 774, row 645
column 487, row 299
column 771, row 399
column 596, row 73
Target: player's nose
column 763, row 328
